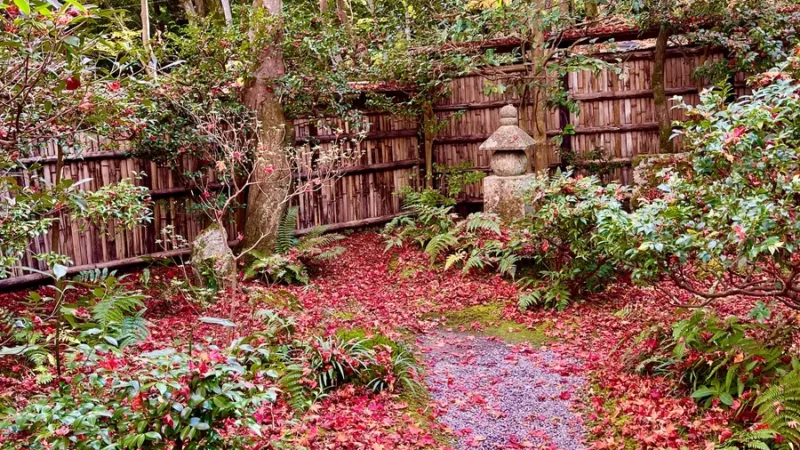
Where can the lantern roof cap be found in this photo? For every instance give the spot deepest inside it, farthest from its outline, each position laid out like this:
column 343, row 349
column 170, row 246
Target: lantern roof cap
column 509, row 136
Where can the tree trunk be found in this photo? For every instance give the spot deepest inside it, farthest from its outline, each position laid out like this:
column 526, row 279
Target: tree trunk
column 344, row 17
column 266, row 201
column 151, row 63
column 538, row 94
column 55, row 238
column 665, row 144
column 323, row 6
column 428, row 131
column 190, row 9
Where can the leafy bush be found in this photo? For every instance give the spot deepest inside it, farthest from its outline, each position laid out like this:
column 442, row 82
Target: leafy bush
column 108, row 313
column 565, row 245
column 394, row 363
column 726, row 224
column 158, row 400
column 720, row 361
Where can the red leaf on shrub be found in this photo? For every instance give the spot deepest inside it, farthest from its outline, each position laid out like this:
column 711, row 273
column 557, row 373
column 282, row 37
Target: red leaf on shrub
column 72, row 83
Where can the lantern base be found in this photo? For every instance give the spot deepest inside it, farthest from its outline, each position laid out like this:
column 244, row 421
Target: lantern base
column 505, row 196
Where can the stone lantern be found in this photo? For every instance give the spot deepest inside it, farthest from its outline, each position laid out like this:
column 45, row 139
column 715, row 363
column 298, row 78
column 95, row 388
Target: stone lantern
column 504, row 191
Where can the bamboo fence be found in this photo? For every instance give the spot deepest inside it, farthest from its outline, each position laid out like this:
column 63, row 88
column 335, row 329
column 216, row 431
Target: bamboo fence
column 615, row 119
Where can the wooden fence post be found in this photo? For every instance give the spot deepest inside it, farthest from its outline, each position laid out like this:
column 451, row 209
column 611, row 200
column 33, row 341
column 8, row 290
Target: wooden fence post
column 564, row 122
column 428, row 131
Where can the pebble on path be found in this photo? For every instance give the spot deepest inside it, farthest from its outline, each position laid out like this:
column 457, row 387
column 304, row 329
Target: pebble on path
column 498, row 396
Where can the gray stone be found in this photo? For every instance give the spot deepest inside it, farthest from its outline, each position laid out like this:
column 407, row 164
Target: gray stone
column 509, row 163
column 509, row 136
column 210, row 251
column 505, row 196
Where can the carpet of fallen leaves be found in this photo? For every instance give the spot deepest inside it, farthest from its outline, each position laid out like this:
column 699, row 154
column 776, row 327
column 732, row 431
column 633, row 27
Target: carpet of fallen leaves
column 401, row 295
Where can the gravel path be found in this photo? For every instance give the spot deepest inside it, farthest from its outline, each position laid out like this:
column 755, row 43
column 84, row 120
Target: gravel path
column 497, row 396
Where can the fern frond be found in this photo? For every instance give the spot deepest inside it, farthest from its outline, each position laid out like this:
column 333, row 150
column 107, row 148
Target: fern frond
column 779, row 407
column 292, row 384
column 474, row 262
column 286, row 228
column 114, row 308
column 508, row 264
column 439, row 244
column 331, row 253
column 481, row 221
column 526, row 301
column 453, row 259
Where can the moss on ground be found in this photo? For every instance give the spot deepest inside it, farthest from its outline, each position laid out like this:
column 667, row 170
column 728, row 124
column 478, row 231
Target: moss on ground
column 618, row 424
column 489, row 317
column 419, row 409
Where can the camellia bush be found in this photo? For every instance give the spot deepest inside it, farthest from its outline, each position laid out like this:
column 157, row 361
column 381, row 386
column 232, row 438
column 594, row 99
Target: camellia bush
column 727, row 223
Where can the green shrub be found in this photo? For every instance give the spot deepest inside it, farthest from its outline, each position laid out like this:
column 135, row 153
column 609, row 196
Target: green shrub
column 157, row 400
column 719, row 361
column 393, row 363
column 558, row 240
column 725, row 223
column 108, row 313
column 564, row 243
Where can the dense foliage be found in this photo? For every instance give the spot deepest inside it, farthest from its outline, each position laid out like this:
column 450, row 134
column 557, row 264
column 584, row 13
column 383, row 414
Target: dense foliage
column 555, row 249
column 725, row 224
column 203, row 396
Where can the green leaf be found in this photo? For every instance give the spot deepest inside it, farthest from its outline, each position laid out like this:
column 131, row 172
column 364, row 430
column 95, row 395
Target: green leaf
column 702, row 392
column 72, row 41
column 153, row 436
column 76, row 4
column 23, row 6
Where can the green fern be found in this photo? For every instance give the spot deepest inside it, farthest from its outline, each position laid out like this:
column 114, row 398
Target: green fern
column 474, row 262
column 779, row 407
column 455, row 258
column 113, row 309
column 745, row 439
column 508, row 265
column 298, row 395
column 286, row 228
column 439, row 244
column 480, row 221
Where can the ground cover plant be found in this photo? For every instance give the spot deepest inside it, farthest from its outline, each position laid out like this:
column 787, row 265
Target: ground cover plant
column 618, row 403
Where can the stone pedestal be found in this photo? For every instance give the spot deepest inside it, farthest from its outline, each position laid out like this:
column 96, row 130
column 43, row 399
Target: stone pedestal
column 505, row 196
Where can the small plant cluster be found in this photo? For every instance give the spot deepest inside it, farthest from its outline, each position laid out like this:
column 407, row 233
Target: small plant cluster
column 161, row 400
column 105, row 312
column 554, row 250
column 292, row 256
column 740, row 366
column 204, row 396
